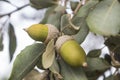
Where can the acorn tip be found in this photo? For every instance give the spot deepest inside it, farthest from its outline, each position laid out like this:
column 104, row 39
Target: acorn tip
column 25, row 29
column 84, row 64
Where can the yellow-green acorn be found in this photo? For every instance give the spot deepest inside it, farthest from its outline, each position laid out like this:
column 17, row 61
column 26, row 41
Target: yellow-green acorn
column 42, row 32
column 71, row 52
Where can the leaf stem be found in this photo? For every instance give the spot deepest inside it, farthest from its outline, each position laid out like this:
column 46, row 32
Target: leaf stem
column 77, row 8
column 81, row 3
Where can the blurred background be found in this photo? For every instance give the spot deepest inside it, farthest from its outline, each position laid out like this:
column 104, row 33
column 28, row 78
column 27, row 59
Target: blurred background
column 19, row 14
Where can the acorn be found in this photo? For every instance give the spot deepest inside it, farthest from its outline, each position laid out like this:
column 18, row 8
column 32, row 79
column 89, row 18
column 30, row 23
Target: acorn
column 71, row 52
column 42, row 32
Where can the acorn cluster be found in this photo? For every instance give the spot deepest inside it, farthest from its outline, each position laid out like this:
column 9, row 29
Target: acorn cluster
column 68, row 48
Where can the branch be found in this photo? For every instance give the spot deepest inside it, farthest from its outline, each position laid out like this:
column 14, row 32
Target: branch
column 14, row 10
column 77, row 8
column 81, row 3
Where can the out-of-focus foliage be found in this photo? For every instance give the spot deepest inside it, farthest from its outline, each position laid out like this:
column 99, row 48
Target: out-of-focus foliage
column 39, row 4
column 12, row 40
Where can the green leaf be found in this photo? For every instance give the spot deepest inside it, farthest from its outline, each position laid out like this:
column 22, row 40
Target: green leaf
column 104, row 19
column 55, row 69
column 73, row 5
column 94, row 53
column 94, row 76
column 71, row 73
column 49, row 11
column 55, row 17
column 84, row 10
column 64, row 21
column 49, row 55
column 51, row 76
column 97, row 64
column 39, row 4
column 26, row 60
column 39, row 64
column 1, row 41
column 83, row 32
column 70, row 27
column 12, row 40
column 82, row 14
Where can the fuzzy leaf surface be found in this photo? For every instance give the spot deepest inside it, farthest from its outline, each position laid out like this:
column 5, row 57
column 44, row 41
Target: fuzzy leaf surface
column 55, row 16
column 104, row 19
column 49, row 11
column 26, row 60
column 71, row 73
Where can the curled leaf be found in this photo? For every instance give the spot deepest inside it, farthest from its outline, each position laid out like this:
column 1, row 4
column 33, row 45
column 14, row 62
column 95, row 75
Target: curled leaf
column 69, row 26
column 49, row 55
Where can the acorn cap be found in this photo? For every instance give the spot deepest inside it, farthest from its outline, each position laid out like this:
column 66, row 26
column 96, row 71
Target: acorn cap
column 52, row 33
column 62, row 40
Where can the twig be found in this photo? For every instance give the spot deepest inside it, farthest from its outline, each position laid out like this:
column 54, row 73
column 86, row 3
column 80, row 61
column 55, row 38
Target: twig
column 114, row 62
column 116, row 71
column 14, row 10
column 10, row 3
column 84, row 1
column 65, row 3
column 81, row 3
column 77, row 8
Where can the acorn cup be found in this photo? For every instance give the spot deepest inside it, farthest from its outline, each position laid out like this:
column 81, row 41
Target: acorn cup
column 42, row 32
column 71, row 52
